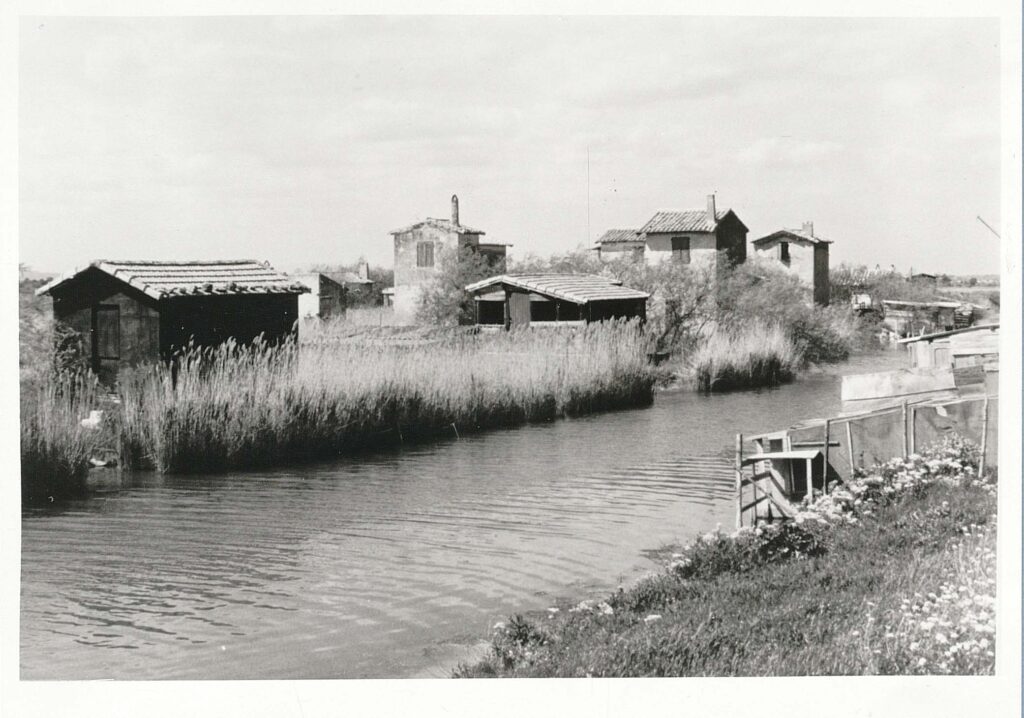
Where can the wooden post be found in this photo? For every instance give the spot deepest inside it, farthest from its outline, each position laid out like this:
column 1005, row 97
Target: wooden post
column 906, row 446
column 849, row 446
column 739, row 481
column 984, row 435
column 828, row 438
column 913, row 430
column 809, row 481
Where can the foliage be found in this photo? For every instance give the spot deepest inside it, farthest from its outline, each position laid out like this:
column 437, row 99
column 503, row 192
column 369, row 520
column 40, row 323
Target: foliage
column 901, row 582
column 445, row 301
column 846, row 280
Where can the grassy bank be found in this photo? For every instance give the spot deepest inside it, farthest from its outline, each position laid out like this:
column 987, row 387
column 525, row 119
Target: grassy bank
column 893, row 574
column 234, row 407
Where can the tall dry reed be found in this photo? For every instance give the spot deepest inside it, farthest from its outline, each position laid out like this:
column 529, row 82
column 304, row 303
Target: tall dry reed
column 55, row 446
column 752, row 356
column 231, row 407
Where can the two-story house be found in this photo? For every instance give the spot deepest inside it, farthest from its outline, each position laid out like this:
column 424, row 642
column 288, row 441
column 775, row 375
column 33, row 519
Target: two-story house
column 420, row 250
column 688, row 236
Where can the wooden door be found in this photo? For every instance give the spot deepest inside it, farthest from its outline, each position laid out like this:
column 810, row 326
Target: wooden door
column 106, row 341
column 519, row 309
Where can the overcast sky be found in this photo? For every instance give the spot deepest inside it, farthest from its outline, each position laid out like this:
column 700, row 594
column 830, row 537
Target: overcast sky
column 305, row 140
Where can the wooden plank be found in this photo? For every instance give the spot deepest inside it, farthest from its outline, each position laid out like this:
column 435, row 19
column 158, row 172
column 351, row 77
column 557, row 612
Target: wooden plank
column 739, row 480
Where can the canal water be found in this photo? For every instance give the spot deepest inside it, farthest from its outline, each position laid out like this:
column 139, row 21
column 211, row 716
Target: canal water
column 392, row 564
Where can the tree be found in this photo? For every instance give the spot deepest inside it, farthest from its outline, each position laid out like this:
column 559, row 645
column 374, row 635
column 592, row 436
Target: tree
column 444, row 300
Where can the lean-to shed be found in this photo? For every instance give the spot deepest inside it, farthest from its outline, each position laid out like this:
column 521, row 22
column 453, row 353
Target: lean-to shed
column 554, row 300
column 132, row 312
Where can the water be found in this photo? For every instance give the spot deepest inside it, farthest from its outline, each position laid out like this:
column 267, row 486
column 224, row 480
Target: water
column 390, row 565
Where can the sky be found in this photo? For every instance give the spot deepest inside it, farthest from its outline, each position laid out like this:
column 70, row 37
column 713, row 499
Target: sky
column 305, row 140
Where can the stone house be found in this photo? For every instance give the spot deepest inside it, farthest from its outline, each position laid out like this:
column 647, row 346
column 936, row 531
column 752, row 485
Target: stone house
column 420, row 249
column 802, row 253
column 689, row 236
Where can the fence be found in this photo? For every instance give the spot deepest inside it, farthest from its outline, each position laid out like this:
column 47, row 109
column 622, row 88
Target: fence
column 846, row 443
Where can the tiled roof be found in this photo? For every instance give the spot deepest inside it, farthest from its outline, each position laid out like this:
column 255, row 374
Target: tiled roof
column 613, row 236
column 161, row 280
column 442, row 224
column 797, row 234
column 682, row 220
column 575, row 288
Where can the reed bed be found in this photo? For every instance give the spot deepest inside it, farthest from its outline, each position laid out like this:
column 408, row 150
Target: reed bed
column 752, row 356
column 231, row 407
column 55, row 446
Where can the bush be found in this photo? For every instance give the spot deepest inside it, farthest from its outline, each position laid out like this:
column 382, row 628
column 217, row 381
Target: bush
column 752, row 356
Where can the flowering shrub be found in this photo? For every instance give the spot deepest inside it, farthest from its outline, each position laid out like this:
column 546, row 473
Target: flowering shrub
column 517, row 640
column 954, row 460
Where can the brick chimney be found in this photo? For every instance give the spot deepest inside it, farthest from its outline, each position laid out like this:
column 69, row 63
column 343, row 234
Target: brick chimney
column 455, row 210
column 712, row 217
column 809, row 229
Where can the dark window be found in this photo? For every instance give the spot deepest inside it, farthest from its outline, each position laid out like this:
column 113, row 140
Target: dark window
column 681, row 249
column 784, row 252
column 108, row 332
column 424, row 254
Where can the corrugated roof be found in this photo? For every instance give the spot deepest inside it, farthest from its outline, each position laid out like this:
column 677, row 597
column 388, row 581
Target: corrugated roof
column 613, row 236
column 797, row 234
column 951, row 332
column 575, row 288
column 442, row 224
column 161, row 280
column 683, row 220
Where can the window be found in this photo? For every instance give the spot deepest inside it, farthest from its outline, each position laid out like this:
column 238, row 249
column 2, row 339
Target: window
column 784, row 252
column 681, row 249
column 108, row 332
column 424, row 254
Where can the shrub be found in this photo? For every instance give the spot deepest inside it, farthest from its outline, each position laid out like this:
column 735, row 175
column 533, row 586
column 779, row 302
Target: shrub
column 760, row 355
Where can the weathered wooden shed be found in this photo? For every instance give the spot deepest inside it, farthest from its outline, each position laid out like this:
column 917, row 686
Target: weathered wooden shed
column 132, row 312
column 554, row 300
column 969, row 346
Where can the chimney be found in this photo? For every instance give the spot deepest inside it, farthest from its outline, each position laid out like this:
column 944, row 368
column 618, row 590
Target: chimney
column 363, row 270
column 809, row 229
column 455, row 210
column 712, row 217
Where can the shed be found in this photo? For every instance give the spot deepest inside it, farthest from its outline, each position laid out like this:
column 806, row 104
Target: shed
column 958, row 348
column 133, row 312
column 802, row 253
column 554, row 299
column 910, row 318
column 326, row 297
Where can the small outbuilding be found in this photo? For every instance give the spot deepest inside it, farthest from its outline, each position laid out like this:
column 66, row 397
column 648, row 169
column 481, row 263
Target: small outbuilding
column 801, row 253
column 515, row 301
column 325, row 300
column 133, row 312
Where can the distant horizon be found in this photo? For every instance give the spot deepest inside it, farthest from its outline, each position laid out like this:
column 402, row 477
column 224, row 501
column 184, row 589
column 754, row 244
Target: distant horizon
column 305, row 140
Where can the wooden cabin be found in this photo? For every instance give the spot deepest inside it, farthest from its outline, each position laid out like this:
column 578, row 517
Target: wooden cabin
column 957, row 348
column 131, row 312
column 907, row 319
column 516, row 301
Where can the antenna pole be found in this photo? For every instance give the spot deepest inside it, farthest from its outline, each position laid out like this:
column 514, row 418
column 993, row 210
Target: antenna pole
column 588, row 194
column 979, row 217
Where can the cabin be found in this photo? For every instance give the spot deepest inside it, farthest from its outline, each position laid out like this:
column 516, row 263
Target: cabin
column 554, row 300
column 971, row 346
column 129, row 313
column 801, row 253
column 359, row 288
column 420, row 250
column 686, row 236
column 325, row 300
column 906, row 319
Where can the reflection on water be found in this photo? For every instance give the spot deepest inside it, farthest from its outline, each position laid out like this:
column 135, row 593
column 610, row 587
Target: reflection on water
column 381, row 566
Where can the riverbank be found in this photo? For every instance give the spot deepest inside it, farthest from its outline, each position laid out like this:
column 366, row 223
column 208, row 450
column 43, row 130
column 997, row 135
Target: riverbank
column 232, row 407
column 894, row 574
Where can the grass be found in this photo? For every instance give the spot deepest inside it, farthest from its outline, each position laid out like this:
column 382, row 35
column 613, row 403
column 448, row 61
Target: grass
column 233, row 407
column 893, row 575
column 753, row 356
